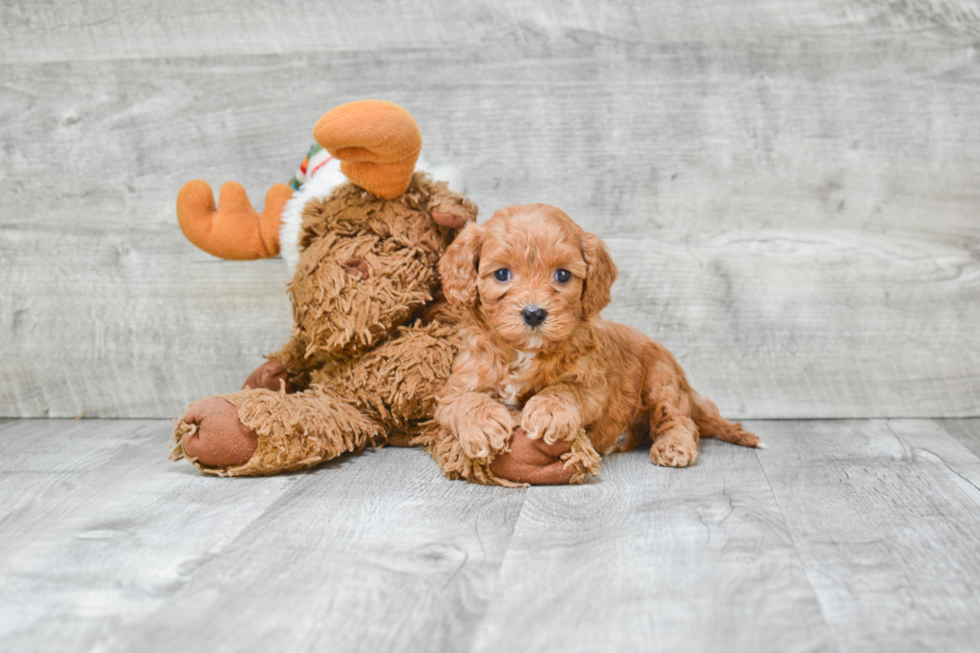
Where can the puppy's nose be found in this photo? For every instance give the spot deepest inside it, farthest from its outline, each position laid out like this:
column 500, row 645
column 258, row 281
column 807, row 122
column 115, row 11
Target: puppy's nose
column 533, row 316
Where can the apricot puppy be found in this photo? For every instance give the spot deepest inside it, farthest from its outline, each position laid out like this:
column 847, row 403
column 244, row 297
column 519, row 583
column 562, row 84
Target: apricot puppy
column 534, row 283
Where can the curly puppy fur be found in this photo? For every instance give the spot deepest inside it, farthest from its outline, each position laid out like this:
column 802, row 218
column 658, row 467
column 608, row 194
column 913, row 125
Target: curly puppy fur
column 534, row 343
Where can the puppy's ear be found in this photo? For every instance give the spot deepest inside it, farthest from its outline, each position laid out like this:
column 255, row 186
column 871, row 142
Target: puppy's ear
column 600, row 274
column 458, row 266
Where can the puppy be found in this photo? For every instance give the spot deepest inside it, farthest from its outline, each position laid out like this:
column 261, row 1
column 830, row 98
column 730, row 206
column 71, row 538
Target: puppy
column 534, row 283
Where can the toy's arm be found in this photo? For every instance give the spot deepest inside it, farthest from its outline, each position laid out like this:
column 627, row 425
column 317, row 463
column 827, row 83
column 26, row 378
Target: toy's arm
column 287, row 369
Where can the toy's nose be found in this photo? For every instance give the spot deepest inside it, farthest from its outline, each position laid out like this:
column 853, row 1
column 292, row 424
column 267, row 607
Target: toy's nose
column 534, row 316
column 357, row 267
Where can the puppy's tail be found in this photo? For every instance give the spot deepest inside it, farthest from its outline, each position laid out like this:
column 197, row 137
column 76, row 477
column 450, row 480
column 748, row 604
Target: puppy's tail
column 711, row 424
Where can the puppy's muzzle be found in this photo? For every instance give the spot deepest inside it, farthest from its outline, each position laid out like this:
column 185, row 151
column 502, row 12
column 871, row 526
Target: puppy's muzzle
column 534, row 316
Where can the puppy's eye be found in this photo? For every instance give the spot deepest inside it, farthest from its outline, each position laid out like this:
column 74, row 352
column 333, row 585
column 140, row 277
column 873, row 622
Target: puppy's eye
column 503, row 274
column 562, row 276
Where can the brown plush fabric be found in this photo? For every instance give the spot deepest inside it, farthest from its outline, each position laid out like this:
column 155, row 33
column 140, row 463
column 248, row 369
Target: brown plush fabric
column 397, row 382
column 397, row 246
column 370, row 351
column 232, row 230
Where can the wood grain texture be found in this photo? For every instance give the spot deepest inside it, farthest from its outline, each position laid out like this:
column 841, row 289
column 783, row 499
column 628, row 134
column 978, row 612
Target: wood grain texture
column 376, row 553
column 94, row 514
column 50, row 30
column 884, row 517
column 790, row 188
column 650, row 558
column 842, row 536
column 824, row 322
column 109, row 546
column 967, row 431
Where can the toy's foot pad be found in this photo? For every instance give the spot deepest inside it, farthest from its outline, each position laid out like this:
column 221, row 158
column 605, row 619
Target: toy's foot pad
column 534, row 461
column 212, row 434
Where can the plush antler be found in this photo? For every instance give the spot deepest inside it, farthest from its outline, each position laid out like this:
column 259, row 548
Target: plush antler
column 377, row 143
column 234, row 230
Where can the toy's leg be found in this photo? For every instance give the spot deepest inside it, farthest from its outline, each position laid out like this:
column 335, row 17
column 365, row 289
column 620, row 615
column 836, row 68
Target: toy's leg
column 675, row 436
column 538, row 463
column 289, row 431
column 526, row 462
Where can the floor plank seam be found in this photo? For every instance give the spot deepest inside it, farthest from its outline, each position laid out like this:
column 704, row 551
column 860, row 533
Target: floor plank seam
column 938, row 457
column 496, row 581
column 799, row 558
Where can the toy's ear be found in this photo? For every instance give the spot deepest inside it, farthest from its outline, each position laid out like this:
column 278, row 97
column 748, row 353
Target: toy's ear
column 458, row 267
column 600, row 274
column 377, row 143
column 449, row 209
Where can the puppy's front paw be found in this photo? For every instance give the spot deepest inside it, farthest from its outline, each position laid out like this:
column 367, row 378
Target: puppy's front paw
column 673, row 452
column 486, row 430
column 550, row 417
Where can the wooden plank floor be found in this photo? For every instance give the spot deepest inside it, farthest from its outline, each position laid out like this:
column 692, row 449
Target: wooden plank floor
column 843, row 536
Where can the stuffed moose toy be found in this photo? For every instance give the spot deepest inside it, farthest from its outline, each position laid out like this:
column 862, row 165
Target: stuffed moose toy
column 373, row 340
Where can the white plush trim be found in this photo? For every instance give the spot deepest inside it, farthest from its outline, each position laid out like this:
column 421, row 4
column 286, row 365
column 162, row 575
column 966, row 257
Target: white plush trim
column 449, row 174
column 322, row 184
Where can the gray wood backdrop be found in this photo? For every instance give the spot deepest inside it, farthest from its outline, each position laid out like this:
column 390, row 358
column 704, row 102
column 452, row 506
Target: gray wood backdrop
column 790, row 188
